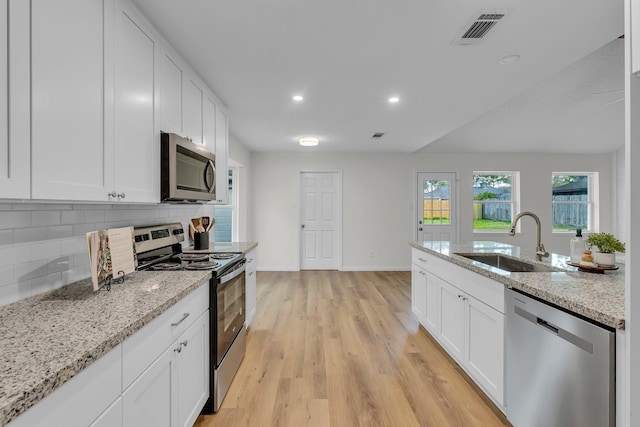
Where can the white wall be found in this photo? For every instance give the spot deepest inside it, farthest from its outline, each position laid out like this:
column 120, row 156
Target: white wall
column 378, row 200
column 241, row 157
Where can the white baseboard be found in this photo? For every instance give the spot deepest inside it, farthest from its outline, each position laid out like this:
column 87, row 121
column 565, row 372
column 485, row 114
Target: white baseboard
column 277, row 268
column 403, row 268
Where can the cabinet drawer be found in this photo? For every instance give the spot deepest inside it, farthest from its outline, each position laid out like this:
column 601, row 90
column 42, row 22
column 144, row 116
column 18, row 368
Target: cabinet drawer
column 142, row 348
column 420, row 258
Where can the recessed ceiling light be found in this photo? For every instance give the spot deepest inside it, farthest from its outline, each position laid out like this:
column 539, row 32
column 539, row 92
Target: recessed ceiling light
column 298, row 98
column 510, row 59
column 309, row 141
column 394, row 99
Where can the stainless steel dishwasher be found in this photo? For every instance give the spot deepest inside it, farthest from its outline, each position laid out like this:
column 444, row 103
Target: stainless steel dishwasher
column 560, row 368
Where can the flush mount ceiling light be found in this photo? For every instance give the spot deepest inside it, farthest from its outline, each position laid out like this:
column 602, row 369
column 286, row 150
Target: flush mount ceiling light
column 394, row 99
column 510, row 59
column 298, row 98
column 309, row 141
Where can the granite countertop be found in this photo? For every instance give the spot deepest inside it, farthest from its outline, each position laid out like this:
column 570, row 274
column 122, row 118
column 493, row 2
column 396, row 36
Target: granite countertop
column 47, row 339
column 243, row 247
column 599, row 297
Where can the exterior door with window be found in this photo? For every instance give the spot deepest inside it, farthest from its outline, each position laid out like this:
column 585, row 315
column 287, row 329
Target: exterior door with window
column 321, row 220
column 436, row 206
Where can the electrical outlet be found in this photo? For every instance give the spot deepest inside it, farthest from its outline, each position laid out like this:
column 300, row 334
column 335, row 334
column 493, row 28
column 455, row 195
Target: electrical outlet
column 372, row 254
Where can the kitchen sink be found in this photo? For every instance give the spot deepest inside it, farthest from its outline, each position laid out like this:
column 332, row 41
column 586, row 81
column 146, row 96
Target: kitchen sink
column 508, row 264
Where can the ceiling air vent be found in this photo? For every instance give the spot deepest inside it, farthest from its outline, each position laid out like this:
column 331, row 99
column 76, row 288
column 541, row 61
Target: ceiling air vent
column 377, row 135
column 478, row 28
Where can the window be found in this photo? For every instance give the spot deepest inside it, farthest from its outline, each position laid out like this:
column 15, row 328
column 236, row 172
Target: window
column 224, row 215
column 435, row 204
column 572, row 198
column 494, row 200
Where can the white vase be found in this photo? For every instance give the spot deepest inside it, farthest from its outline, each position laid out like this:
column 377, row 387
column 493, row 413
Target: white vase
column 605, row 259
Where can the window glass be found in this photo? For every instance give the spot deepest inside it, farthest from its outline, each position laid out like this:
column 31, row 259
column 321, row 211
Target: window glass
column 493, row 201
column 572, row 201
column 223, row 228
column 435, row 204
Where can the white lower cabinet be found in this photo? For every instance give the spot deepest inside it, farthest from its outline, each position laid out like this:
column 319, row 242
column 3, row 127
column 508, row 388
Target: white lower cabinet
column 465, row 314
column 112, row 417
column 250, row 285
column 157, row 377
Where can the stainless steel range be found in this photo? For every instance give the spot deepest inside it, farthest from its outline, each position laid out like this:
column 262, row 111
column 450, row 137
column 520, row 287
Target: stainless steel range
column 159, row 248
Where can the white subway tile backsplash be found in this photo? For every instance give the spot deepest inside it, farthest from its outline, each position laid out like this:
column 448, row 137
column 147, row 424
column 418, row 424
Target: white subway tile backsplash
column 43, row 246
column 13, row 219
column 6, row 237
column 39, row 218
column 59, row 231
column 72, row 217
column 27, row 235
column 13, row 255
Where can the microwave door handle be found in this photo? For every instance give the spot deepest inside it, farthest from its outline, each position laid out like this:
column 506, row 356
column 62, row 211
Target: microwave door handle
column 210, row 165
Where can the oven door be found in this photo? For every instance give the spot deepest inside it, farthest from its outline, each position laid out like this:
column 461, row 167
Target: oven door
column 230, row 300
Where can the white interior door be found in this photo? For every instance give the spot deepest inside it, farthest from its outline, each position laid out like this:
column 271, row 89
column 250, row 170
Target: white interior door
column 436, row 206
column 321, row 220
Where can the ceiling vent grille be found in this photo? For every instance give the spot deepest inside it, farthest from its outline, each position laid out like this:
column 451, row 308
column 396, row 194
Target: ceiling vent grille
column 478, row 28
column 377, row 135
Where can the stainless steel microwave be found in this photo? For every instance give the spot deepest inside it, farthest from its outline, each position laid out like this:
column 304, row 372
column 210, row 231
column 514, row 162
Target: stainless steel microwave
column 188, row 171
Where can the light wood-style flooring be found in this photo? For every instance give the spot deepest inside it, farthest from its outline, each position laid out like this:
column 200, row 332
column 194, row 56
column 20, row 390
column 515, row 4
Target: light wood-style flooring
column 329, row 348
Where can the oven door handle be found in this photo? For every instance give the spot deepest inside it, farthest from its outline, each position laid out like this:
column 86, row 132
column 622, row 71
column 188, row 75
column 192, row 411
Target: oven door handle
column 234, row 273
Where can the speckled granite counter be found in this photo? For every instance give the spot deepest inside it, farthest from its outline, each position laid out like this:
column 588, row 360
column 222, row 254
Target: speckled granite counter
column 47, row 339
column 243, row 247
column 599, row 297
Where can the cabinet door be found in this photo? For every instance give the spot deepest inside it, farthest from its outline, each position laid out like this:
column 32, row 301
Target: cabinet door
column 222, row 144
column 419, row 293
column 485, row 347
column 136, row 134
column 193, row 108
column 431, row 321
column 171, row 91
column 15, row 167
column 250, row 284
column 209, row 123
column 112, row 417
column 193, row 371
column 151, row 399
column 452, row 320
column 70, row 155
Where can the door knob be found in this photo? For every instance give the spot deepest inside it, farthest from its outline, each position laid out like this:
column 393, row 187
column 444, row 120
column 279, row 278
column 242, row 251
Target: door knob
column 419, row 228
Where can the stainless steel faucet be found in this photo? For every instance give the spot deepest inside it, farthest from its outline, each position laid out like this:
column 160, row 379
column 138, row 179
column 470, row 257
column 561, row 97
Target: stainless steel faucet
column 540, row 251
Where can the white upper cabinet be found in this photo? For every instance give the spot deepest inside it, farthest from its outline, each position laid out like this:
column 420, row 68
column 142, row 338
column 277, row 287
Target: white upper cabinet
column 193, row 109
column 171, row 92
column 136, row 133
column 71, row 157
column 222, row 147
column 94, row 102
column 15, row 169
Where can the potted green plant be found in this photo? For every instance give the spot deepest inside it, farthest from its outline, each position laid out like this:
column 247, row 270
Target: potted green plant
column 607, row 245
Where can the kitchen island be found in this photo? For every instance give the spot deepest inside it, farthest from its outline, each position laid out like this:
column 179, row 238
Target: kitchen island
column 461, row 302
column 48, row 339
column 599, row 297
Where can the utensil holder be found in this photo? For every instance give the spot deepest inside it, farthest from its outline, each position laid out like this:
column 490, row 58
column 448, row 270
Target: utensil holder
column 201, row 240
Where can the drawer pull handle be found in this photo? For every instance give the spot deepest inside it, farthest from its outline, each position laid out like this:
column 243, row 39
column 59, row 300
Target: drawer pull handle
column 184, row 316
column 422, row 259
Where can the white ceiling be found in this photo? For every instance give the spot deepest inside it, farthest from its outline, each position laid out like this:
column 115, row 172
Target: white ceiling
column 348, row 57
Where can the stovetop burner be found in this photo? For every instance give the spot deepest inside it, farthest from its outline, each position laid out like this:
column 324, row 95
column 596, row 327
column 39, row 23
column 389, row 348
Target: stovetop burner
column 203, row 265
column 166, row 266
column 195, row 257
column 223, row 255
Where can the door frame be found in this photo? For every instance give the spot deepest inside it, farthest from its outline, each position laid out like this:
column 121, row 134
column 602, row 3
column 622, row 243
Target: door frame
column 339, row 214
column 416, row 206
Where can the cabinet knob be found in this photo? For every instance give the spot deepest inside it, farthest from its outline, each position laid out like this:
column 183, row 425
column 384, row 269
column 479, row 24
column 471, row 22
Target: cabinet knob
column 112, row 194
column 184, row 343
column 121, row 195
column 179, row 349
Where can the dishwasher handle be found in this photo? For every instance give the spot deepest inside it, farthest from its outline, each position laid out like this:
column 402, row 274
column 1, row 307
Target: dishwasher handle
column 559, row 332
